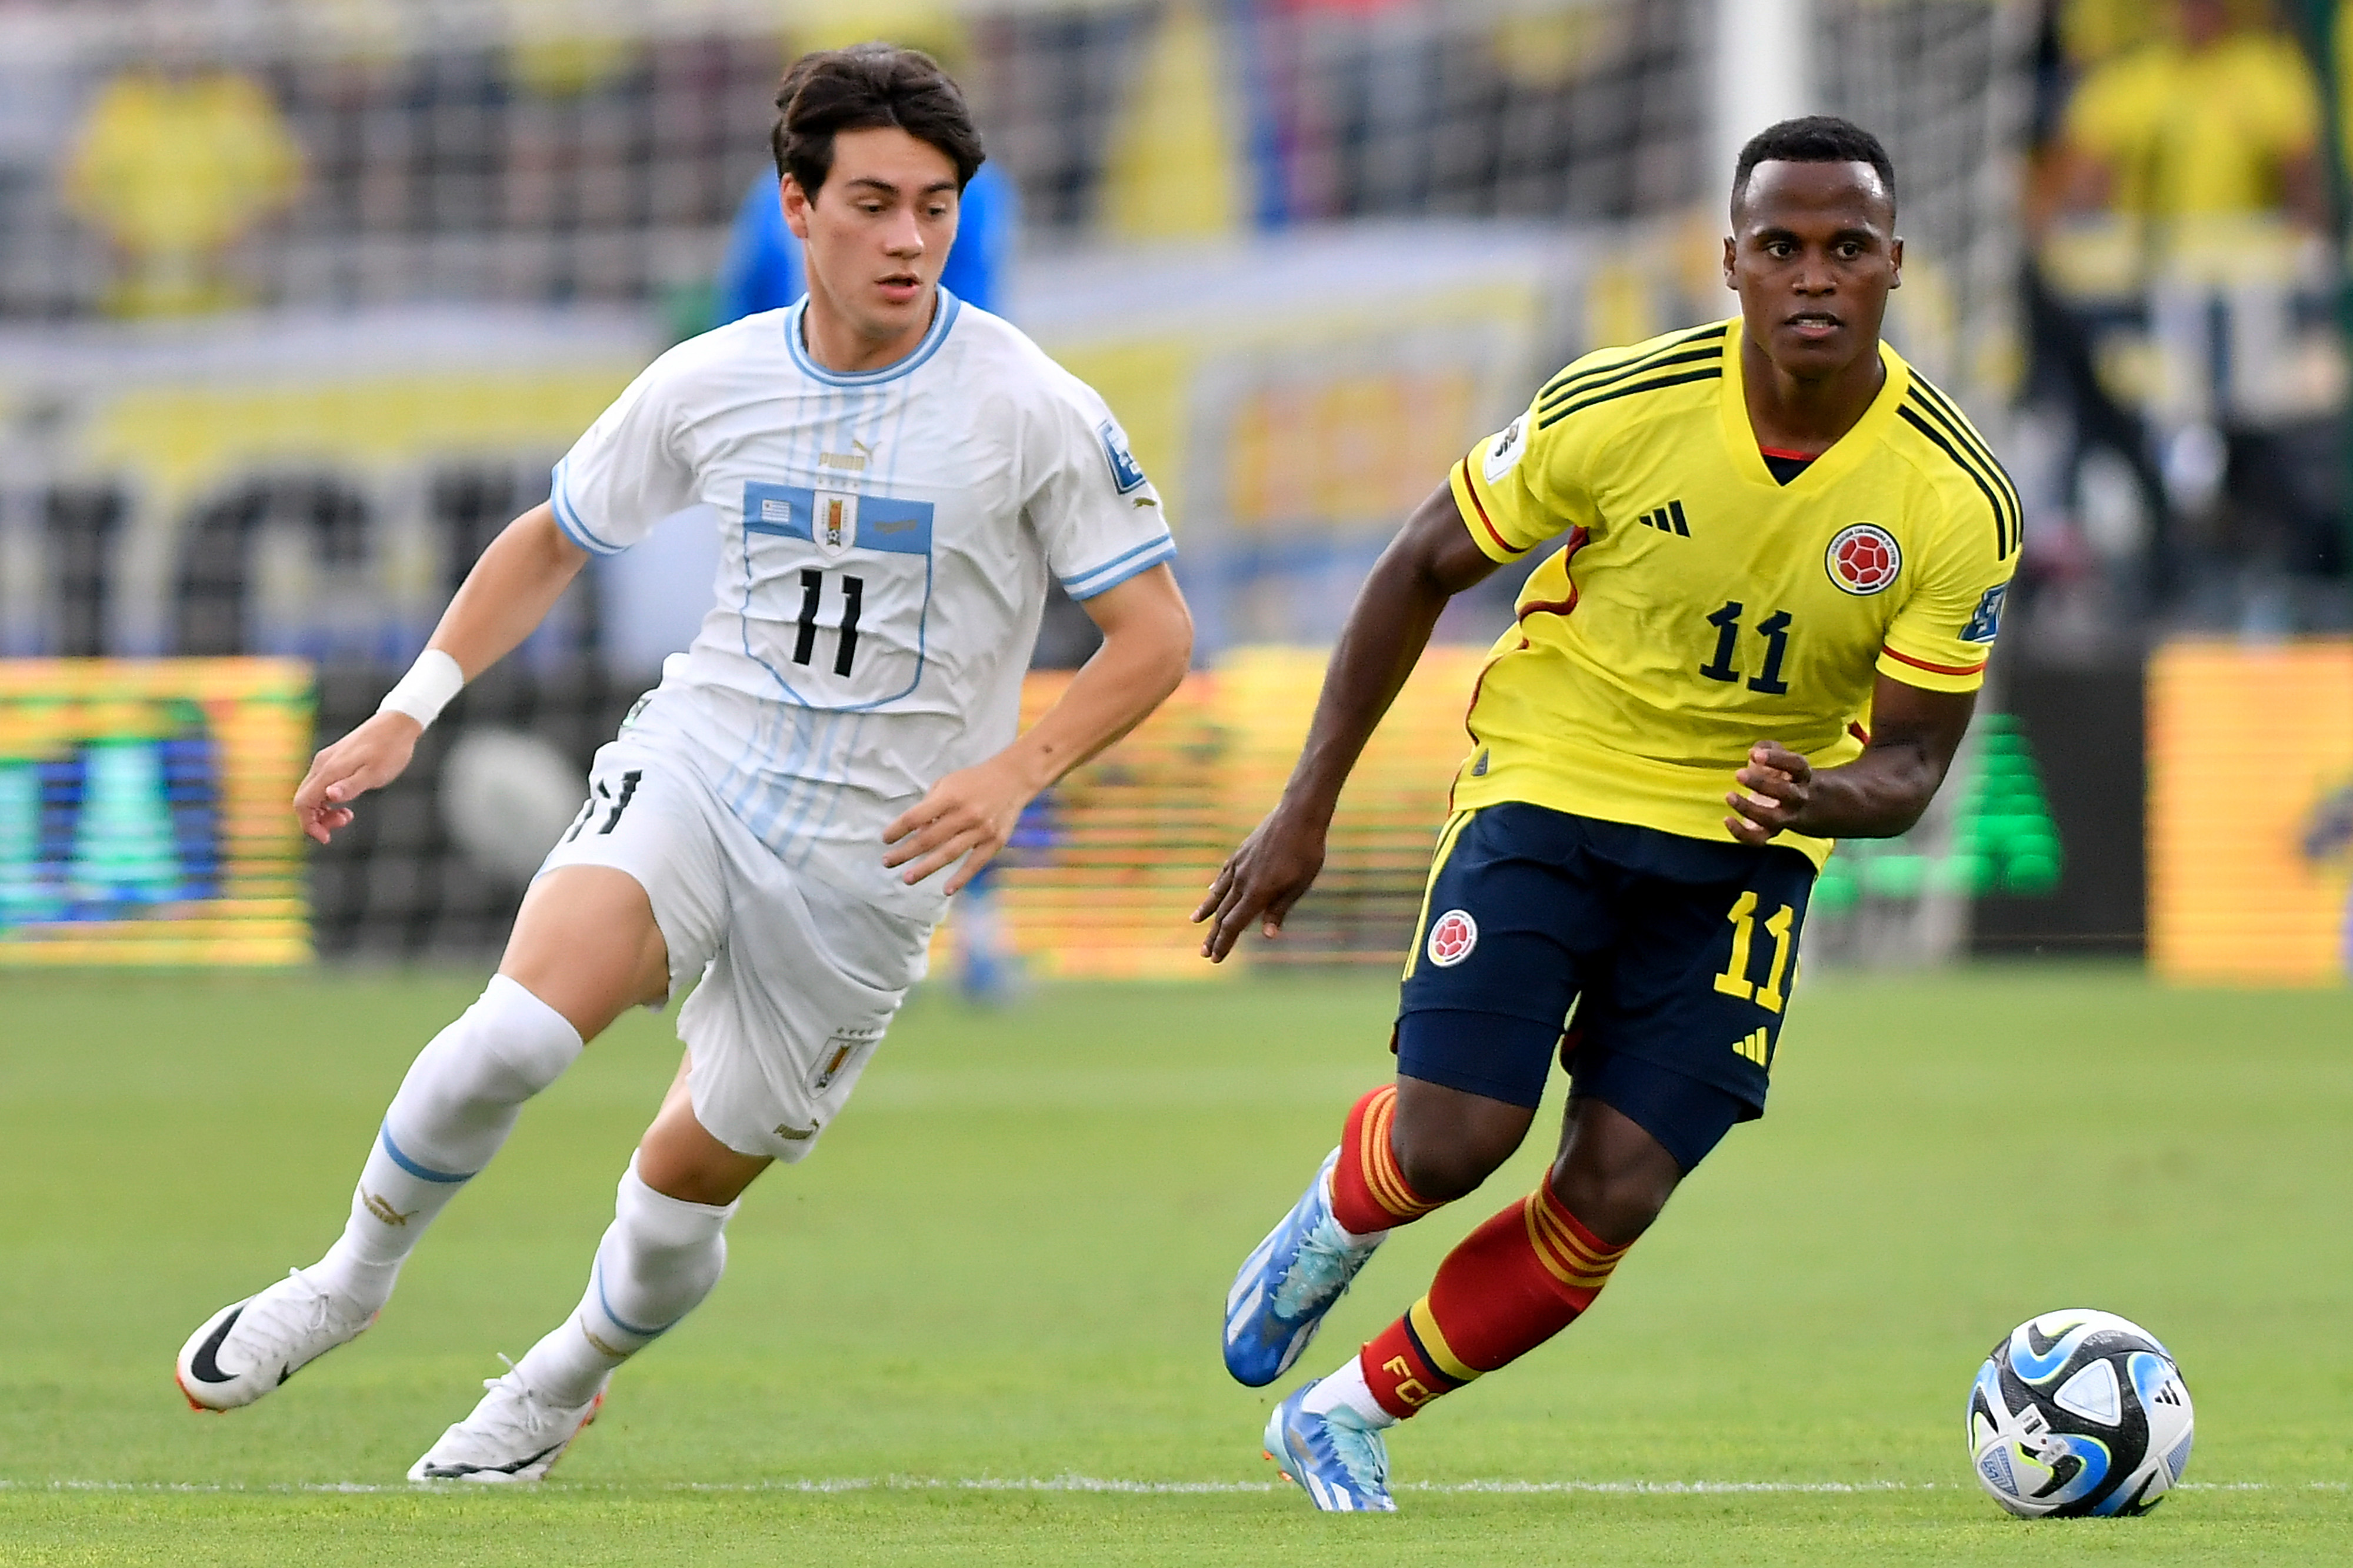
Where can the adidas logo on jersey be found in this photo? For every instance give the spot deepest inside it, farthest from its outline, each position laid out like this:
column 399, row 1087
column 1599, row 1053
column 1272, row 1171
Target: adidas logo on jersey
column 1753, row 1046
column 1668, row 518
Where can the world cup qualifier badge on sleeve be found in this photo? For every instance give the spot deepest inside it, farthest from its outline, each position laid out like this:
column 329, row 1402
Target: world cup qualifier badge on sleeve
column 1505, row 448
column 1126, row 473
column 1985, row 622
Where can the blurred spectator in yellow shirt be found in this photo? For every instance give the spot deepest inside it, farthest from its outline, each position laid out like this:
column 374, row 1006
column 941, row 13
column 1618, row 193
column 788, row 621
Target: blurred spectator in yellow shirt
column 2211, row 119
column 175, row 170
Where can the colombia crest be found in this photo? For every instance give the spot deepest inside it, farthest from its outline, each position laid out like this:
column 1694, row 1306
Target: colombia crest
column 1863, row 559
column 1451, row 937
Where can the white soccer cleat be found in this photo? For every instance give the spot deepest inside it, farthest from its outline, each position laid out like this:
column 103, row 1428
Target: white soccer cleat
column 249, row 1347
column 513, row 1435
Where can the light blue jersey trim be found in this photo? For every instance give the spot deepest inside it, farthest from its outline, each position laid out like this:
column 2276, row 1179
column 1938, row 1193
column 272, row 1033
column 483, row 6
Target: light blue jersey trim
column 567, row 519
column 942, row 322
column 413, row 1168
column 1120, row 568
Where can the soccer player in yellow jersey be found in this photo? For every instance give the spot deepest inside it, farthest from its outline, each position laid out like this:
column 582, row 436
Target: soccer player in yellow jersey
column 1777, row 563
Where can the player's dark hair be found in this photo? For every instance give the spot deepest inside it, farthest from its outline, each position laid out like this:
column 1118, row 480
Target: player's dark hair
column 864, row 88
column 1814, row 139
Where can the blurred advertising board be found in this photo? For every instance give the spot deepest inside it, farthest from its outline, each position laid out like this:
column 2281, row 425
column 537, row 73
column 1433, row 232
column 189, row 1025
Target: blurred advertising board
column 314, row 484
column 1104, row 873
column 143, row 811
column 1296, row 396
column 1102, row 878
column 2251, row 812
column 296, row 484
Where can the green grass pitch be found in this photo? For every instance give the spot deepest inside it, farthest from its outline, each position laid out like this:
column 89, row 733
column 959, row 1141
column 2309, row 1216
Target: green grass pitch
column 980, row 1324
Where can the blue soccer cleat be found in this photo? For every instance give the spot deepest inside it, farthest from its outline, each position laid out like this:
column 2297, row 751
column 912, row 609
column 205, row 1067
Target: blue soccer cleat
column 1341, row 1463
column 1285, row 1287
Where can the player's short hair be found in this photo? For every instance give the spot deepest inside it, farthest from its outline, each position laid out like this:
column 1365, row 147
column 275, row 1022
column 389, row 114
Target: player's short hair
column 1813, row 138
column 864, row 88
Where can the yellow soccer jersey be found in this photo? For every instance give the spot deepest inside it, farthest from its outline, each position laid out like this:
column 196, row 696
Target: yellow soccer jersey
column 1697, row 606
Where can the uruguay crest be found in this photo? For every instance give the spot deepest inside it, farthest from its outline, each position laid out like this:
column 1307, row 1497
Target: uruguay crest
column 833, row 525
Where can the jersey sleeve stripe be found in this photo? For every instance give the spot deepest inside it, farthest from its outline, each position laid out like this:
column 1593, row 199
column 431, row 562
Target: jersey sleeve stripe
column 1931, row 394
column 1120, row 568
column 1471, row 488
column 1934, row 668
column 2000, row 513
column 568, row 521
column 1656, row 384
column 1982, row 460
column 1629, row 364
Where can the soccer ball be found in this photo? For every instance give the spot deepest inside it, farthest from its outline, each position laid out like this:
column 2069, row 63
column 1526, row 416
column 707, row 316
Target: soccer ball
column 506, row 797
column 2079, row 1412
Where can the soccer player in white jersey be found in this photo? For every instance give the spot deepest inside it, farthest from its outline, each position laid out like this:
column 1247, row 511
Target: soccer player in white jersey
column 784, row 817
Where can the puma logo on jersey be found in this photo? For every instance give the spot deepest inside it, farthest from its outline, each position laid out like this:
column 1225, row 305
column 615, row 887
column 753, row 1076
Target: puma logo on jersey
column 1668, row 518
column 852, row 461
column 1754, row 1047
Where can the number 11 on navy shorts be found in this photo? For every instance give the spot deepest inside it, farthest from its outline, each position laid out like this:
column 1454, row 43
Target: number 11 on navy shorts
column 1676, row 953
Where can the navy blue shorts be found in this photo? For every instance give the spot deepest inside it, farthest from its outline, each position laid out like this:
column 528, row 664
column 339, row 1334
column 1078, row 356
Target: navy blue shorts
column 1677, row 955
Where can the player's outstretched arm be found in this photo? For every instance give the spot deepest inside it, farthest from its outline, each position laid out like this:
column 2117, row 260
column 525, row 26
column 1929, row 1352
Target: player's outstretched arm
column 1913, row 736
column 1147, row 647
column 1432, row 559
column 509, row 591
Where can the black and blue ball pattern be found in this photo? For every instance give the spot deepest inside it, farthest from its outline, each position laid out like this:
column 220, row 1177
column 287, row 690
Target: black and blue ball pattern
column 2079, row 1413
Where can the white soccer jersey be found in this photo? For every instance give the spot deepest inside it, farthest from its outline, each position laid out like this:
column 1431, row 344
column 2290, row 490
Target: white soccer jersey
column 886, row 540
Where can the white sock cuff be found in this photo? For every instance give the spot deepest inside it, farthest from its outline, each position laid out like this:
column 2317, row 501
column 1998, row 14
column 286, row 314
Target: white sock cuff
column 1347, row 1387
column 657, row 1219
column 527, row 1037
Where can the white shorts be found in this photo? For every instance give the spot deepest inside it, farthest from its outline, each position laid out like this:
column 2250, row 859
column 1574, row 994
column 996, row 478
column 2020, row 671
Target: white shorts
column 799, row 978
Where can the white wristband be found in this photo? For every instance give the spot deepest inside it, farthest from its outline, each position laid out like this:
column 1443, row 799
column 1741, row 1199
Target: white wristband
column 426, row 689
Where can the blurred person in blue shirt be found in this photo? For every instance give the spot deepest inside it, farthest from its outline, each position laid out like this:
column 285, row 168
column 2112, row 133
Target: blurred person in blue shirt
column 763, row 271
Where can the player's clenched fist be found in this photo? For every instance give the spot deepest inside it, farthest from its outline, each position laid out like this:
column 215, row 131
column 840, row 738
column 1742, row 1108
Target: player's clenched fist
column 368, row 758
column 1776, row 788
column 1275, row 866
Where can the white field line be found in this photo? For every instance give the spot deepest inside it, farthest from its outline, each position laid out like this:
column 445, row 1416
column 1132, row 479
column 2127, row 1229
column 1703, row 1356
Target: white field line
column 1098, row 1484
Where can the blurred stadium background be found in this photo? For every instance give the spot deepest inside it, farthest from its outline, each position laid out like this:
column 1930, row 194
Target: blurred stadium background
column 300, row 298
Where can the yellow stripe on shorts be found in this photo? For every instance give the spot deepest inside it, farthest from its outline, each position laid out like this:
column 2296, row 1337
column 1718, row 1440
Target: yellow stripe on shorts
column 1446, row 837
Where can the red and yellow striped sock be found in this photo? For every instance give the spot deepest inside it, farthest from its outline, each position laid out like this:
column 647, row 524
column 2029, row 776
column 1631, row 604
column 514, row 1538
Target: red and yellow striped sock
column 1513, row 1283
column 1369, row 1192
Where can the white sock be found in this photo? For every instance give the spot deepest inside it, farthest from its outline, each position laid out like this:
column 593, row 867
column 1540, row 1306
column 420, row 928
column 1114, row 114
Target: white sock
column 659, row 1259
column 1352, row 1238
column 1347, row 1387
column 454, row 1108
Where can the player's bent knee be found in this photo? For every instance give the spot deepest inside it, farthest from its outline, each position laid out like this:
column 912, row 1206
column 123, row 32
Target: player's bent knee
column 586, row 943
column 679, row 1157
column 1447, row 1142
column 1453, row 1162
column 1615, row 1199
column 1442, row 1175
